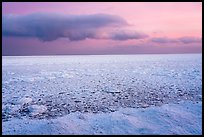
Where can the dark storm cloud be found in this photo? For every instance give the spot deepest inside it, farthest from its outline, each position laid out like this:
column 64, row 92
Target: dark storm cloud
column 49, row 27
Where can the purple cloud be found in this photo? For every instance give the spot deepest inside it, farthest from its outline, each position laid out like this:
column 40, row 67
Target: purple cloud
column 184, row 40
column 164, row 40
column 49, row 27
column 188, row 40
column 125, row 35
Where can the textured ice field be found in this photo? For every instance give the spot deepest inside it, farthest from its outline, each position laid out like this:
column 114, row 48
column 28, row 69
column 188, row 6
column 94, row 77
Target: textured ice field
column 48, row 87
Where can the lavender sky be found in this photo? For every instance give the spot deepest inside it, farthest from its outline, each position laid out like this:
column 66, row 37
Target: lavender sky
column 64, row 28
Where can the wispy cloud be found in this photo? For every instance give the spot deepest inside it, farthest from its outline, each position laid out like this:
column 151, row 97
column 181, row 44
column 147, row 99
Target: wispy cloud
column 184, row 40
column 164, row 40
column 188, row 40
column 127, row 34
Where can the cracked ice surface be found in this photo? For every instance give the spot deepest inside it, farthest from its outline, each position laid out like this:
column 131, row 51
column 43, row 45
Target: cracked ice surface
column 47, row 87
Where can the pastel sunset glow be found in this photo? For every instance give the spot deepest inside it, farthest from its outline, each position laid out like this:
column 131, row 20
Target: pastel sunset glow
column 68, row 28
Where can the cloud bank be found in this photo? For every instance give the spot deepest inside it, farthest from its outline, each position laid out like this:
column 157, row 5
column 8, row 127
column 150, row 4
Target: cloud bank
column 49, row 27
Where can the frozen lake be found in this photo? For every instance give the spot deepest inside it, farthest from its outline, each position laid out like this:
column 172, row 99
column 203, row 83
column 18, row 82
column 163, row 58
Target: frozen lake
column 50, row 87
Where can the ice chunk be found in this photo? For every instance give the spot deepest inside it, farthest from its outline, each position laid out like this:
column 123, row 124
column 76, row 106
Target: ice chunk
column 25, row 100
column 37, row 109
column 111, row 90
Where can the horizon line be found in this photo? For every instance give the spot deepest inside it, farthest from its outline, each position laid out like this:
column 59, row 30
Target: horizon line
column 102, row 54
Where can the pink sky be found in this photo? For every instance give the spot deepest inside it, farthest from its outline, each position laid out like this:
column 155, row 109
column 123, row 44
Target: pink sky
column 171, row 21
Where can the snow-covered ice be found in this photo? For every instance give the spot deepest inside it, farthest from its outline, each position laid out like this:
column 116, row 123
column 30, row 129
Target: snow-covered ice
column 183, row 118
column 102, row 94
